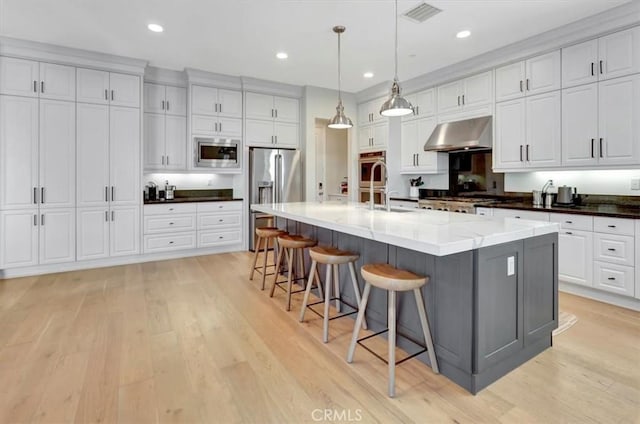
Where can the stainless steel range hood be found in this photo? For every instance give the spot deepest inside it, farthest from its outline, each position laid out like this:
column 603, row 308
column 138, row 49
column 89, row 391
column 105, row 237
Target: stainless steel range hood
column 461, row 136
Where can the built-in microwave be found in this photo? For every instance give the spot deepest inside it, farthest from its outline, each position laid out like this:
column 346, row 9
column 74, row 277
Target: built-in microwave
column 216, row 152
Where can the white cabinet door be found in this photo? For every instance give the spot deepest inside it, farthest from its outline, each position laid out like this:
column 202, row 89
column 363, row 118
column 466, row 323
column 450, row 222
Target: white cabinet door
column 429, row 161
column 175, row 142
column 124, row 231
column 18, row 152
column 176, row 101
column 230, row 127
column 580, row 64
column 204, row 100
column 364, row 137
column 510, row 134
column 92, row 165
column 19, row 77
column 543, row 73
column 259, row 133
column 620, row 54
column 286, row 134
column 230, row 103
column 575, row 256
column 425, row 103
column 450, row 97
column 57, row 153
column 543, row 130
column 510, row 81
column 408, row 143
column 478, row 90
column 613, row 278
column 154, row 98
column 286, row 109
column 57, row 236
column 154, row 141
column 364, row 114
column 204, row 125
column 124, row 154
column 125, row 90
column 92, row 233
column 380, row 134
column 92, row 86
column 259, row 106
column 57, row 82
column 580, row 125
column 19, row 241
column 619, row 125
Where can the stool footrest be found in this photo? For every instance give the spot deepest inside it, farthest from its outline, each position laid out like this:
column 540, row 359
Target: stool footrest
column 413, row 355
column 355, row 309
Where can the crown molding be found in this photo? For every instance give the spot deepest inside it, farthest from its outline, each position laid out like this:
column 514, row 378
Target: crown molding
column 165, row 76
column 199, row 77
column 271, row 87
column 34, row 50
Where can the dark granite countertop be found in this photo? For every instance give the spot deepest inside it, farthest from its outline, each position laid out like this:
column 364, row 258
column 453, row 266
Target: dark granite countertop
column 595, row 209
column 405, row 199
column 192, row 199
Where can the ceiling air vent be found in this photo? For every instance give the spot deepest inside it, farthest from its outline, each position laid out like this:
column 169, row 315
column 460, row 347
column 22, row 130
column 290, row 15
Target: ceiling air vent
column 421, row 13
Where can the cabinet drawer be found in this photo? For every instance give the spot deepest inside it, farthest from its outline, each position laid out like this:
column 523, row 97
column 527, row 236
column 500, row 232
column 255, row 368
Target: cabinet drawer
column 519, row 214
column 614, row 249
column 169, row 209
column 166, row 242
column 484, row 211
column 614, row 278
column 155, row 224
column 613, row 225
column 219, row 206
column 208, row 221
column 218, row 238
column 573, row 222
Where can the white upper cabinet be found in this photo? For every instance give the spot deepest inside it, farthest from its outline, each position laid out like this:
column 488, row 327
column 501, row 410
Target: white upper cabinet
column 262, row 106
column 103, row 87
column 124, row 155
column 424, row 104
column 18, row 152
column 176, row 101
column 92, row 165
column 612, row 56
column 216, row 102
column 286, row 134
column 286, row 109
column 413, row 157
column 272, row 121
column 369, row 112
column 154, row 98
column 154, row 140
column 580, row 125
column 19, row 77
column 474, row 91
column 533, row 76
column 510, row 122
column 175, row 129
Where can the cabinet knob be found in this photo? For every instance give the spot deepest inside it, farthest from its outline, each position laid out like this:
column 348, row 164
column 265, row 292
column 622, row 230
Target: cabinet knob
column 611, row 226
column 611, row 278
column 611, row 249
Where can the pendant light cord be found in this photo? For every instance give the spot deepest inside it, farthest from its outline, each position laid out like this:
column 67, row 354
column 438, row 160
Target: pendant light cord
column 396, row 17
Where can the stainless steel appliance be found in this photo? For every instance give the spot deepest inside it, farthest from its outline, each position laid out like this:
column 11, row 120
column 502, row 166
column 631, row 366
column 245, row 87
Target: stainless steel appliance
column 365, row 163
column 274, row 177
column 453, row 204
column 216, row 152
column 566, row 195
column 460, row 136
column 169, row 191
column 378, row 195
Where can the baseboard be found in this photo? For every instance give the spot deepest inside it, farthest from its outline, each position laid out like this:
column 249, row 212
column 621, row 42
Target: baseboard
column 601, row 296
column 122, row 260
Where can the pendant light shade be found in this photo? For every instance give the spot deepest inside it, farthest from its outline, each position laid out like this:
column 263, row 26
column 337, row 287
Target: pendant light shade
column 340, row 120
column 396, row 105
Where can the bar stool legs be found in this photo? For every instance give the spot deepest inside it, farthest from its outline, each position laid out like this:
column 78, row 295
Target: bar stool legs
column 291, row 247
column 265, row 234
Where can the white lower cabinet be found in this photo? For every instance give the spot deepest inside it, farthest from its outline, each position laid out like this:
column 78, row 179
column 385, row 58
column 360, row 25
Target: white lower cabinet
column 614, row 278
column 57, row 235
column 575, row 256
column 124, row 232
column 166, row 242
column 217, row 238
column 105, row 232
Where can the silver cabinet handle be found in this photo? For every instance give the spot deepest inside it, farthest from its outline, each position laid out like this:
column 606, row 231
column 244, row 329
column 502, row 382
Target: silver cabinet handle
column 163, row 159
column 41, row 194
column 35, row 219
column 458, row 100
column 521, row 153
column 220, row 126
column 527, row 153
column 171, row 223
column 167, row 159
column 521, row 86
column 112, row 95
column 601, row 70
column 42, row 219
column 593, row 143
column 611, row 226
column 276, row 113
column 601, row 153
column 611, row 278
column 417, row 159
column 35, row 86
column 215, row 105
column 106, row 216
column 611, row 249
column 592, row 72
column 220, row 107
column 569, row 233
column 272, row 113
column 463, row 99
column 106, row 94
column 113, row 215
column 417, row 110
column 171, row 242
column 106, row 193
column 35, row 196
column 568, row 222
column 162, row 105
column 42, row 86
column 113, row 195
column 528, row 85
column 276, row 139
column 221, row 220
column 167, row 104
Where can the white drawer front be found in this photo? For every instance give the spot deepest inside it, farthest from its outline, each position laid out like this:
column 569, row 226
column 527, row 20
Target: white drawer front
column 218, row 238
column 166, row 242
column 573, row 222
column 484, row 211
column 614, row 249
column 219, row 206
column 169, row 208
column 614, row 278
column 512, row 213
column 204, row 125
column 165, row 224
column 208, row 221
column 613, row 226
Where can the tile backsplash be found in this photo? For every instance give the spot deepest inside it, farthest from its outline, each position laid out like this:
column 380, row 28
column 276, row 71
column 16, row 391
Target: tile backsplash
column 611, row 182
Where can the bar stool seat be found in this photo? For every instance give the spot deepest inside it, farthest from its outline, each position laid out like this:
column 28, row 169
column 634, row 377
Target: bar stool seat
column 393, row 280
column 331, row 257
column 292, row 246
column 267, row 234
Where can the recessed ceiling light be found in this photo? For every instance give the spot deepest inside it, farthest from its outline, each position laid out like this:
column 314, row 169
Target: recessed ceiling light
column 463, row 34
column 155, row 27
column 282, row 55
column 368, row 75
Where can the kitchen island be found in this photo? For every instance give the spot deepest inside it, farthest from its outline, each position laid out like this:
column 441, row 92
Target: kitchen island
column 492, row 298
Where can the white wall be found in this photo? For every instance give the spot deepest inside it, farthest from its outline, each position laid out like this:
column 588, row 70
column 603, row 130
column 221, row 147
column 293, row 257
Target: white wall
column 609, row 182
column 320, row 103
column 336, row 152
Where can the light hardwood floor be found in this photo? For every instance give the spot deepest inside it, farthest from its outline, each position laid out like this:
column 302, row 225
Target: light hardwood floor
column 192, row 340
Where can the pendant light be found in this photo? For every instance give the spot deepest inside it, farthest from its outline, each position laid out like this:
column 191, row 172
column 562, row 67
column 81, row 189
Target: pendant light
column 340, row 121
column 396, row 105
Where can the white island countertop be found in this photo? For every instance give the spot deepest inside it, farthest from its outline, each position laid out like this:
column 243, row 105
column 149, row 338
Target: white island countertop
column 434, row 232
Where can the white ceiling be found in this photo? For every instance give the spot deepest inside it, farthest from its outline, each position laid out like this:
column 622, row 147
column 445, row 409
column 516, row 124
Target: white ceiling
column 241, row 37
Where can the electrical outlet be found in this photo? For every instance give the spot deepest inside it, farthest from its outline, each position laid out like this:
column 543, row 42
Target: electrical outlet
column 511, row 266
column 635, row 183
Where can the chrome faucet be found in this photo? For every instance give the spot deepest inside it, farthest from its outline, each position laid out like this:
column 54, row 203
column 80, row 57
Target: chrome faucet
column 371, row 199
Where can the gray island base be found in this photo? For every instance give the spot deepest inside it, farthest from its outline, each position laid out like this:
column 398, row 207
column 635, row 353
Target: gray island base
column 490, row 309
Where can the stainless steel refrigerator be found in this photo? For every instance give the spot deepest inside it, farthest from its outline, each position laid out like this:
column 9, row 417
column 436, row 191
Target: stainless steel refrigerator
column 275, row 176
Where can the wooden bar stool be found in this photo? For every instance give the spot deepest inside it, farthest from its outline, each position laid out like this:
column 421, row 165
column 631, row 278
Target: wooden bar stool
column 332, row 258
column 267, row 234
column 393, row 280
column 292, row 246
